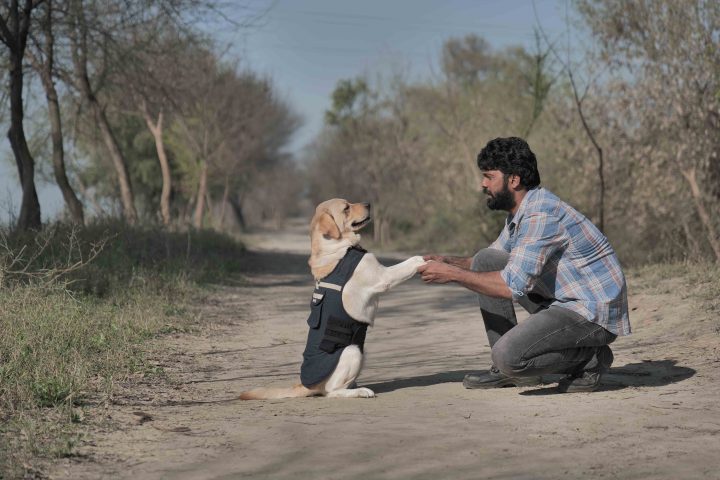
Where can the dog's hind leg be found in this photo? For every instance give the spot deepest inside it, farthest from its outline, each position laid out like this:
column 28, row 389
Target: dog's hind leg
column 344, row 375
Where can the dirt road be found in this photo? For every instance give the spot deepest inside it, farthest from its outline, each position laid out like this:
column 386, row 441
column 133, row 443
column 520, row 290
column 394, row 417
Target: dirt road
column 656, row 415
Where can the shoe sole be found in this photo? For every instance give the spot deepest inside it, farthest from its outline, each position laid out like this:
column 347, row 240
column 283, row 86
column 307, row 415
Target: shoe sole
column 505, row 382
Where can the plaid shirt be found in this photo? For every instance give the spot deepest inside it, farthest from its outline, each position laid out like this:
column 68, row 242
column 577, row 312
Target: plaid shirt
column 558, row 253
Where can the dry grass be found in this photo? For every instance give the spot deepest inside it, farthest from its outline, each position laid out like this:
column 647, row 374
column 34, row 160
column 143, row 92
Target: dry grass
column 75, row 309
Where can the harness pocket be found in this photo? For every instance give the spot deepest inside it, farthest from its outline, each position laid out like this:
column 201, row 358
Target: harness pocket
column 313, row 320
column 338, row 334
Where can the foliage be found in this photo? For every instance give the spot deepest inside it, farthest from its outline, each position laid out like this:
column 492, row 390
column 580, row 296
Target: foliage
column 75, row 307
column 410, row 148
column 648, row 87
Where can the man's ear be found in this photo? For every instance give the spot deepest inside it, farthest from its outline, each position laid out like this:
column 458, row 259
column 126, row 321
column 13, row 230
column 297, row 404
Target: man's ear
column 514, row 181
column 327, row 226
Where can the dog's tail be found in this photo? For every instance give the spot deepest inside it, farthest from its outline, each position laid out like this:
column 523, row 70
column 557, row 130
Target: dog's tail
column 273, row 393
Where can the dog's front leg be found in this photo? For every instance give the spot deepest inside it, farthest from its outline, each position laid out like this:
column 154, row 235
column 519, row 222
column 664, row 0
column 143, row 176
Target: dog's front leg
column 392, row 276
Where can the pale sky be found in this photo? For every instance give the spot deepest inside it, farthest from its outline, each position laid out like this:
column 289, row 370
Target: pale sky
column 306, row 46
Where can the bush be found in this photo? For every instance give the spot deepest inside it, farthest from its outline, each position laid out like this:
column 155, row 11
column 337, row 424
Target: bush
column 75, row 307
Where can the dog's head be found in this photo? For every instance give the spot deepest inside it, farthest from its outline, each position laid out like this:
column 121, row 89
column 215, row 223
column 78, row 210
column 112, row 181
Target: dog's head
column 338, row 218
column 333, row 230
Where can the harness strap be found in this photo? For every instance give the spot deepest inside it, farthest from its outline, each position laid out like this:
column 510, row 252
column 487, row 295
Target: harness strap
column 331, row 286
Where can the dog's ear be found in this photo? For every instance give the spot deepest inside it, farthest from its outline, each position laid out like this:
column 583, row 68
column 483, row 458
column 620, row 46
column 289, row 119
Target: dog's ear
column 327, row 226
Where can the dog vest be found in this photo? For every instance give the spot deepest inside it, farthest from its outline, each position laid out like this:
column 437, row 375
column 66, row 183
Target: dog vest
column 331, row 327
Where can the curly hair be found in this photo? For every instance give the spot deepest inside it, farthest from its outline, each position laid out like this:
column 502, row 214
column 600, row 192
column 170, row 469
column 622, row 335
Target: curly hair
column 512, row 156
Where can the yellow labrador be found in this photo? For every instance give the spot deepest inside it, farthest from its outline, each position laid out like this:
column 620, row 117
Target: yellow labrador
column 348, row 281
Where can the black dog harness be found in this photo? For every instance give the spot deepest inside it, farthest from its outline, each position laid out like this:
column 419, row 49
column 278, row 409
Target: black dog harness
column 331, row 327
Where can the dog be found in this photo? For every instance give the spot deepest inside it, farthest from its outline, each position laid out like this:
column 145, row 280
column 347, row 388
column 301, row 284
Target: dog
column 348, row 282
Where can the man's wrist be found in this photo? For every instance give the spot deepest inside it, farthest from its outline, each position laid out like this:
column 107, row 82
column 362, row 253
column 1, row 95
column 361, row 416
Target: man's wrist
column 462, row 262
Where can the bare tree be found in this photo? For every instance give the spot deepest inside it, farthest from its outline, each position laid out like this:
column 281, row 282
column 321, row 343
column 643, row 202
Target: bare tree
column 233, row 125
column 42, row 59
column 160, row 54
column 15, row 23
column 666, row 55
column 83, row 20
column 579, row 99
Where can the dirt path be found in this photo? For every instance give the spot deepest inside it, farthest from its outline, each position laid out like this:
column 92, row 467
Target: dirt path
column 656, row 416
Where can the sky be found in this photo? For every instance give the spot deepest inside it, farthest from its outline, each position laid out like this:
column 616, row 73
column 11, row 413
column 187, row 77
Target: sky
column 306, row 46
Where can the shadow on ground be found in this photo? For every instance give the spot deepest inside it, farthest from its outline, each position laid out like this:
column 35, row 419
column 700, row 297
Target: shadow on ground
column 648, row 373
column 653, row 373
column 420, row 381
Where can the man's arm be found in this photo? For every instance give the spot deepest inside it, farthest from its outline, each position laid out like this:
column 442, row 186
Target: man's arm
column 487, row 283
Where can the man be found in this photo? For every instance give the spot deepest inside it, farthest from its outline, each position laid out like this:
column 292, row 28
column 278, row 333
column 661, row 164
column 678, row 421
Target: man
column 556, row 264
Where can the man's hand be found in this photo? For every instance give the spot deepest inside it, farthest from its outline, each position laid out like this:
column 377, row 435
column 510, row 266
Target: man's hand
column 437, row 272
column 462, row 262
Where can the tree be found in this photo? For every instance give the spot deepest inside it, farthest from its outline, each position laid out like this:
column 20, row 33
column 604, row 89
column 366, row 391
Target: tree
column 15, row 22
column 42, row 59
column 90, row 37
column 159, row 54
column 665, row 55
column 230, row 123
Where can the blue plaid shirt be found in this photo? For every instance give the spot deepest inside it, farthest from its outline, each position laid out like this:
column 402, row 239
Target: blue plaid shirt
column 558, row 253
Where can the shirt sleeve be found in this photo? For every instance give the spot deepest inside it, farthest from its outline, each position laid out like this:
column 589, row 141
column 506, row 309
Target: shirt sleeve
column 503, row 241
column 539, row 236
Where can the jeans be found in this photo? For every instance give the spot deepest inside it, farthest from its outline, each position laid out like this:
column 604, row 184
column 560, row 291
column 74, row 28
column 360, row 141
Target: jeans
column 552, row 340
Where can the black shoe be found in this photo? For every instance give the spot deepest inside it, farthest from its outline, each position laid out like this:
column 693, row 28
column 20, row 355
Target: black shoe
column 494, row 379
column 588, row 379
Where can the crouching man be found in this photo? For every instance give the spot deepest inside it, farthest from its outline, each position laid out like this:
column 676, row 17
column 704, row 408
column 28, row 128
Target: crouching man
column 556, row 264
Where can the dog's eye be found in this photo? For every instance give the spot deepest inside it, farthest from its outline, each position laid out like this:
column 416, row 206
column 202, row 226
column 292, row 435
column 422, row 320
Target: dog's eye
column 347, row 208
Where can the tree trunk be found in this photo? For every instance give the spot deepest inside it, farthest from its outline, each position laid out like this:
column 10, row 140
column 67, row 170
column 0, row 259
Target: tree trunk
column 226, row 195
column 71, row 201
column 156, row 130
column 30, row 207
column 210, row 209
column 202, row 190
column 385, row 232
column 78, row 40
column 236, row 204
column 475, row 171
column 692, row 244
column 712, row 235
column 45, row 69
column 377, row 230
column 118, row 160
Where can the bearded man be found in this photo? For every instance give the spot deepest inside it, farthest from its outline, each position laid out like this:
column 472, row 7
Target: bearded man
column 556, row 264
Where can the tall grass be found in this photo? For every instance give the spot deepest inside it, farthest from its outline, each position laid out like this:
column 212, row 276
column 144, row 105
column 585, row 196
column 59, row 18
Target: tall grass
column 75, row 307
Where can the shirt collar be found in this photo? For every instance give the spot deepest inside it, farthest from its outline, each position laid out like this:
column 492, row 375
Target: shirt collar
column 513, row 220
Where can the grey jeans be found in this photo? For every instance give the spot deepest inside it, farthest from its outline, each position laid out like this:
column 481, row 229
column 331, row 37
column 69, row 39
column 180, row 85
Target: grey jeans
column 552, row 340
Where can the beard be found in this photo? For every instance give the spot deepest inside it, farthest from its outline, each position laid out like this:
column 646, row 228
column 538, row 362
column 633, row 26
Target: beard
column 502, row 200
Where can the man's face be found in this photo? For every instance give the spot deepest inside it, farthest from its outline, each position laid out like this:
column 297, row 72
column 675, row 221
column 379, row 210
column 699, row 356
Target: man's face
column 495, row 186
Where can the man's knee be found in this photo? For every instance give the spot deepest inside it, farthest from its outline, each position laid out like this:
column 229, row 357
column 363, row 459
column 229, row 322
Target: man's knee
column 489, row 260
column 507, row 357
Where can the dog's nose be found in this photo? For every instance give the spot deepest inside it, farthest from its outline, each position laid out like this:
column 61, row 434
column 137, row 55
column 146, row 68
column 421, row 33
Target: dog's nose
column 367, row 205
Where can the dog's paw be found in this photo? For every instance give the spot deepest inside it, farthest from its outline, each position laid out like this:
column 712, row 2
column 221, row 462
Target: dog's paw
column 364, row 392
column 417, row 261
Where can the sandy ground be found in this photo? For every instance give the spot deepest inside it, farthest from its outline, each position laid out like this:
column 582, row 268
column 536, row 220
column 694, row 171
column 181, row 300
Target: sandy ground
column 655, row 416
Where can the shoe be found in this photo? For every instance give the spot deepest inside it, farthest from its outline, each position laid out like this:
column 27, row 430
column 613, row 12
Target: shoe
column 588, row 379
column 494, row 379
